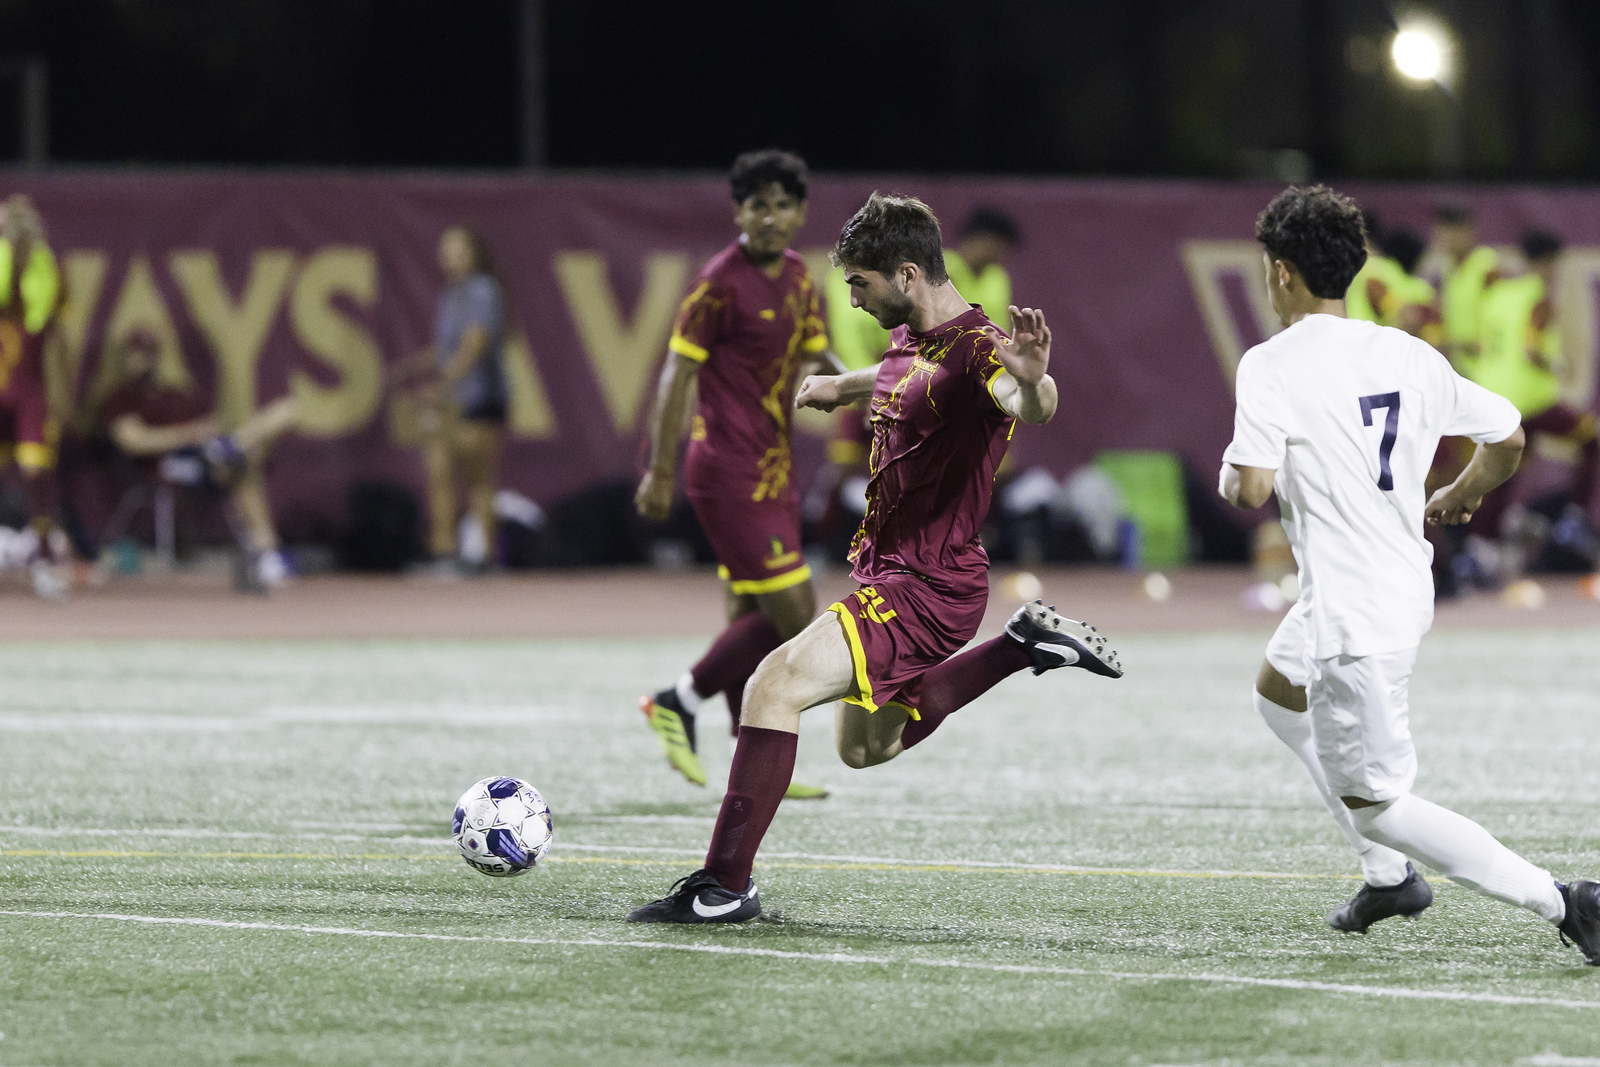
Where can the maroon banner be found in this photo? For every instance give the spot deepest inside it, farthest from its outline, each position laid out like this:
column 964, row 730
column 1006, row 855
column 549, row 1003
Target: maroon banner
column 262, row 285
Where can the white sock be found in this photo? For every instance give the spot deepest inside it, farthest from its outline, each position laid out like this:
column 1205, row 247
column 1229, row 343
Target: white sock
column 690, row 700
column 1463, row 851
column 1380, row 866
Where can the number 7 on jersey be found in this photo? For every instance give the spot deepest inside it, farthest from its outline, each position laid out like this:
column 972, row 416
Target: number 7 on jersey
column 1391, row 430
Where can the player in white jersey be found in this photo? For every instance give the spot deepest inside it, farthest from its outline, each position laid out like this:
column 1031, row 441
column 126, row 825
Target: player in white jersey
column 1341, row 418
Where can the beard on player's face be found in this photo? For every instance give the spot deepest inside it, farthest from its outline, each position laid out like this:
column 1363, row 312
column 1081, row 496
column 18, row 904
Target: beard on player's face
column 892, row 306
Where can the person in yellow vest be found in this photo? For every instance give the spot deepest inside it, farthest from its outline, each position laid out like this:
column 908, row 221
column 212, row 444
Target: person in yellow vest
column 977, row 263
column 30, row 303
column 1519, row 353
column 1470, row 269
column 1385, row 290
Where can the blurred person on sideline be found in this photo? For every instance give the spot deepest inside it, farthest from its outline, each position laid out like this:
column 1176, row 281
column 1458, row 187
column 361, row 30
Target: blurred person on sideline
column 1385, row 291
column 464, row 403
column 750, row 329
column 174, row 435
column 977, row 264
column 1519, row 353
column 30, row 304
column 1469, row 270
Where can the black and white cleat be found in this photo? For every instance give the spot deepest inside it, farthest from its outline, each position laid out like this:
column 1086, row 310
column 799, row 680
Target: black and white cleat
column 1053, row 641
column 1582, row 925
column 1376, row 903
column 700, row 898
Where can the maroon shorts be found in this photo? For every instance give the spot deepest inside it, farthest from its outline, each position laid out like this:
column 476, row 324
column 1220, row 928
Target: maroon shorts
column 898, row 628
column 757, row 542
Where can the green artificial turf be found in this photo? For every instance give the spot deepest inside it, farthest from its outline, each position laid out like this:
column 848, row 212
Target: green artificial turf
column 1071, row 871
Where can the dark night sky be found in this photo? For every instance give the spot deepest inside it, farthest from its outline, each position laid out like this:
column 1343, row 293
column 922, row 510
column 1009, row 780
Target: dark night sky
column 1197, row 87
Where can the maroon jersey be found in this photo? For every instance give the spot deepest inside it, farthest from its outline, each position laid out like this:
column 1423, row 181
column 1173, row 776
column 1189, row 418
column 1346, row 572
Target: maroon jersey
column 750, row 332
column 938, row 434
column 155, row 405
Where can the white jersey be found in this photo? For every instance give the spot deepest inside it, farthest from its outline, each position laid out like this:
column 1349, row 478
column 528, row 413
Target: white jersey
column 1349, row 414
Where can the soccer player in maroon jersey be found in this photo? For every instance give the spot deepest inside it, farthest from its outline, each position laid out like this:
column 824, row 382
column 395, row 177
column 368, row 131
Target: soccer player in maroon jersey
column 945, row 400
column 745, row 335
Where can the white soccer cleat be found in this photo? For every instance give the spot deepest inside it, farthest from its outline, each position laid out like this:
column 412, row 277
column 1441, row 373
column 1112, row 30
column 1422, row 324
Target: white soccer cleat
column 1053, row 641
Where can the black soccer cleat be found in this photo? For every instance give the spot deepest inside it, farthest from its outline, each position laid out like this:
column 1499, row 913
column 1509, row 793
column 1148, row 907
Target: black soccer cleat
column 700, row 898
column 1052, row 641
column 1376, row 903
column 1581, row 927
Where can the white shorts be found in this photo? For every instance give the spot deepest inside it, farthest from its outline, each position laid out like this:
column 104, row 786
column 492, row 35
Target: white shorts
column 1289, row 651
column 1361, row 719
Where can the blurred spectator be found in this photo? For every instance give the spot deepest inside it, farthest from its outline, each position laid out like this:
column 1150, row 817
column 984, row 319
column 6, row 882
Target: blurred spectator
column 1519, row 353
column 977, row 262
column 464, row 422
column 1470, row 268
column 1386, row 291
column 30, row 302
column 175, row 439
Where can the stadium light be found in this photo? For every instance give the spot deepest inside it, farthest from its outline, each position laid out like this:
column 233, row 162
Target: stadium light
column 1422, row 52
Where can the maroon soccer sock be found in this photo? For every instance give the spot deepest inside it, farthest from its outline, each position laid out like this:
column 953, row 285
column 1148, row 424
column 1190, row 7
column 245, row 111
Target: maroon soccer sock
column 762, row 767
column 736, row 653
column 959, row 681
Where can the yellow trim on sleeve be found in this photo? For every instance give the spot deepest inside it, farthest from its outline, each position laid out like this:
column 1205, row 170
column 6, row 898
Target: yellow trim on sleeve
column 990, row 384
column 758, row 586
column 32, row 456
column 685, row 347
column 816, row 344
column 858, row 656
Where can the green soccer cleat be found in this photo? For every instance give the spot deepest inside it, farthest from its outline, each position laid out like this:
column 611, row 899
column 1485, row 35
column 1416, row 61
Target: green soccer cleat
column 796, row 791
column 674, row 727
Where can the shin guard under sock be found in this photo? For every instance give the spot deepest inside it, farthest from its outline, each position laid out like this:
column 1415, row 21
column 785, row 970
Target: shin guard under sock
column 1380, row 866
column 762, row 766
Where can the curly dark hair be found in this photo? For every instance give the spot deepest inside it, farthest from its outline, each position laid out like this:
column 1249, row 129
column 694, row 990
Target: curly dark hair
column 891, row 230
column 754, row 171
column 1320, row 233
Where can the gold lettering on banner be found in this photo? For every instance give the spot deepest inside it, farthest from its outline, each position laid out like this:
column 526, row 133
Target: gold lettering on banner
column 139, row 306
column 1208, row 263
column 622, row 354
column 528, row 412
column 84, row 274
column 339, row 341
column 236, row 331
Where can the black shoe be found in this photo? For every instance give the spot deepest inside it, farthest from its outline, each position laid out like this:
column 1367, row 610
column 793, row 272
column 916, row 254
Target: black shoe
column 1581, row 927
column 700, row 898
column 1052, row 641
column 1375, row 903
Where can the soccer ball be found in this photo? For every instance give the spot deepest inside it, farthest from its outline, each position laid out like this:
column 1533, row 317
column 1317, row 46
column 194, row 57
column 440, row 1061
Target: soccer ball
column 502, row 827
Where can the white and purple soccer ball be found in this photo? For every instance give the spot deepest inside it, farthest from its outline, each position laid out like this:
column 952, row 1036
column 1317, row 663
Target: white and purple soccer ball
column 502, row 827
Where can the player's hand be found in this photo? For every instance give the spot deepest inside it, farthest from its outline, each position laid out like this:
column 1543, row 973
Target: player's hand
column 654, row 496
column 1447, row 509
column 1027, row 354
column 819, row 391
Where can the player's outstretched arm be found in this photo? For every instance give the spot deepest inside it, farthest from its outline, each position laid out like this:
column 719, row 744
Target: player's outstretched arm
column 1491, row 465
column 828, row 391
column 1025, row 390
column 653, row 498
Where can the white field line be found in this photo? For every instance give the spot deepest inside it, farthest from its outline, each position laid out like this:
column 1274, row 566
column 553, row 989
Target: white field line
column 443, row 843
column 1386, row 992
column 269, row 718
column 1550, row 1059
